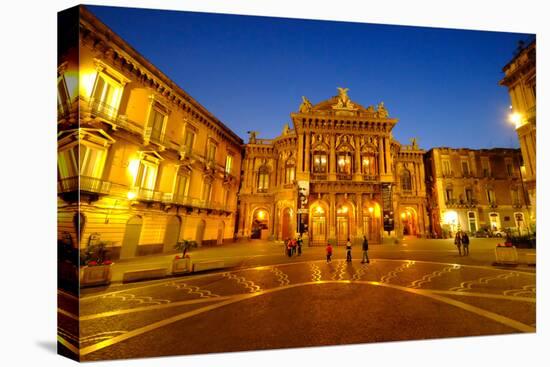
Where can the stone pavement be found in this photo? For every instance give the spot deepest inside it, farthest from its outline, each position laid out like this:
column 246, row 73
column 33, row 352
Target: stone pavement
column 249, row 253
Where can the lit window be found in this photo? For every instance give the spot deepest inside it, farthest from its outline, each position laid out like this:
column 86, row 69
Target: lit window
column 319, row 162
column 490, row 196
column 446, row 168
column 406, row 181
column 106, row 94
column 263, row 179
column 368, row 165
column 206, row 191
column 469, row 195
column 465, row 168
column 63, row 100
column 449, row 195
column 211, row 152
column 189, row 140
column 290, row 171
column 157, row 119
column 344, row 163
column 182, row 186
column 228, row 164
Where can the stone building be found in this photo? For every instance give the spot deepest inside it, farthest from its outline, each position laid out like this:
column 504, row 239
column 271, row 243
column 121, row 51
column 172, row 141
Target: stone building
column 141, row 163
column 520, row 76
column 336, row 174
column 473, row 190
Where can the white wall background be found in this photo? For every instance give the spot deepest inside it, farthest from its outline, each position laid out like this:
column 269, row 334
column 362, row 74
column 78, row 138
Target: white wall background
column 28, row 180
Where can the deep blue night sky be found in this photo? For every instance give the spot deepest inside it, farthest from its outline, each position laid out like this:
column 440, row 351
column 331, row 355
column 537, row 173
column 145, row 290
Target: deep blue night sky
column 251, row 72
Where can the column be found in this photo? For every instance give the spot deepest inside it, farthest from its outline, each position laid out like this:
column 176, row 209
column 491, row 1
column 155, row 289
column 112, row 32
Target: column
column 359, row 215
column 308, row 152
column 387, row 157
column 299, row 160
column 358, row 159
column 332, row 217
column 332, row 158
column 381, row 157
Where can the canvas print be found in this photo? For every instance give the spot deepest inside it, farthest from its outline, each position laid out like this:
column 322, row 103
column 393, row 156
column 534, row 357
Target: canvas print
column 234, row 183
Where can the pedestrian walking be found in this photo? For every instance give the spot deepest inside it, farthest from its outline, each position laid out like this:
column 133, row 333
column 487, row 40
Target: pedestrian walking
column 329, row 253
column 348, row 251
column 300, row 243
column 293, row 245
column 289, row 247
column 365, row 251
column 466, row 244
column 458, row 242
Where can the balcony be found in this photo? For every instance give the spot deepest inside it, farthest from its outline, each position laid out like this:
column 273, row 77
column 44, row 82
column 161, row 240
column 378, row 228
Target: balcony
column 370, row 178
column 150, row 196
column 343, row 176
column 71, row 187
column 460, row 203
column 155, row 136
column 290, row 185
column 196, row 203
column 103, row 110
column 319, row 176
column 261, row 191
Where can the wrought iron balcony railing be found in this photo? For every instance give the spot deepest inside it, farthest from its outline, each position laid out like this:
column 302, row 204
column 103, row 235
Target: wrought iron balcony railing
column 84, row 184
column 103, row 110
column 149, row 195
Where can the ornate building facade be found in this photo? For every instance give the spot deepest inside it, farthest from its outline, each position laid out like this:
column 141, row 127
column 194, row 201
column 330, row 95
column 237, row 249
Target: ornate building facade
column 141, row 164
column 473, row 190
column 336, row 174
column 520, row 76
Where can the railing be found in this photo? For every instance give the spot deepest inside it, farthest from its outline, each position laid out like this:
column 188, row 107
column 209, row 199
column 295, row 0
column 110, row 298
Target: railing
column 262, row 141
column 103, row 110
column 261, row 191
column 144, row 194
column 370, row 178
column 460, row 203
column 155, row 136
column 343, row 176
column 83, row 184
column 198, row 203
column 319, row 176
column 289, row 185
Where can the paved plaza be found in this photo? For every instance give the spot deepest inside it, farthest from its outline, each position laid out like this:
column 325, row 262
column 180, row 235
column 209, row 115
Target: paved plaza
column 419, row 289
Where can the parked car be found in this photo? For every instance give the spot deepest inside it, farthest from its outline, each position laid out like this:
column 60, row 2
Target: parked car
column 499, row 233
column 482, row 233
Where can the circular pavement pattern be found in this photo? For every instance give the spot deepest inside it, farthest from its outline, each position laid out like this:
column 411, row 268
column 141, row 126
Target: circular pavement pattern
column 298, row 305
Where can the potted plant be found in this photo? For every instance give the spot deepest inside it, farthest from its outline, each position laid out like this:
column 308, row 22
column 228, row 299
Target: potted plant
column 95, row 266
column 506, row 253
column 182, row 263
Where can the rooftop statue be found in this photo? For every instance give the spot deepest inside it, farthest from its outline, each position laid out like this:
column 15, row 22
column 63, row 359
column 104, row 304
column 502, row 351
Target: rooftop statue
column 382, row 112
column 286, row 129
column 343, row 99
column 414, row 143
column 306, row 105
column 252, row 137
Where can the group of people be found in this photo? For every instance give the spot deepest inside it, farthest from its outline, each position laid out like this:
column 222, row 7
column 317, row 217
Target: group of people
column 293, row 245
column 462, row 242
column 365, row 248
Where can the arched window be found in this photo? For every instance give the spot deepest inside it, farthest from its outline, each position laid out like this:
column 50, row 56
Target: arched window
column 263, row 179
column 320, row 161
column 406, row 182
column 290, row 171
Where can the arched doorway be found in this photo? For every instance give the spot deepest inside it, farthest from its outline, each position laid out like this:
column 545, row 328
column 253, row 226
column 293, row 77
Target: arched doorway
column 318, row 225
column 221, row 229
column 371, row 221
column 131, row 237
column 199, row 236
column 286, row 223
column 171, row 235
column 409, row 221
column 260, row 224
column 494, row 221
column 343, row 223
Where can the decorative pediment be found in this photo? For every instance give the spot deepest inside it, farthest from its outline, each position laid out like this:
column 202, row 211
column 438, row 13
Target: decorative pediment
column 93, row 136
